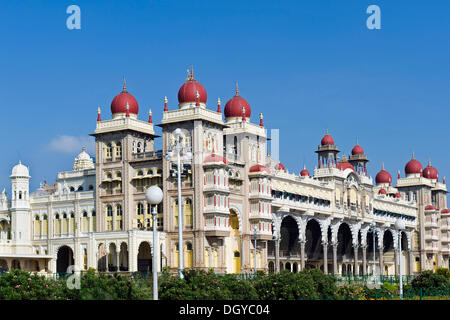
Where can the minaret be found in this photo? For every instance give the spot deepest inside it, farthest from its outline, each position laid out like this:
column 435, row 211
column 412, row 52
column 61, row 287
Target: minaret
column 327, row 152
column 358, row 159
column 20, row 203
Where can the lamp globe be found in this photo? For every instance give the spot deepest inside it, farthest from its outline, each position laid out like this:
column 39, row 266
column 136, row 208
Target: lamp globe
column 154, row 195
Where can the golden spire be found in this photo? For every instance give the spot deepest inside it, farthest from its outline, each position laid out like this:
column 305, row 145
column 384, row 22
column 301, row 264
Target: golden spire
column 237, row 89
column 124, row 89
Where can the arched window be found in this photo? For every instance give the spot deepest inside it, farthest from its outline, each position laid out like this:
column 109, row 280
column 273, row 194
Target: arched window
column 84, row 222
column 159, row 171
column 109, row 151
column 118, row 149
column 140, row 173
column 175, row 213
column 20, row 195
column 188, row 213
column 149, row 171
column 175, row 255
column 37, row 226
column 109, row 218
column 139, row 147
column 65, row 223
column 94, row 220
column 108, row 175
column 72, row 222
column 44, row 225
column 57, row 224
column 72, row 189
column 118, row 174
column 140, row 215
column 80, row 188
column 188, row 255
column 91, row 187
column 119, row 217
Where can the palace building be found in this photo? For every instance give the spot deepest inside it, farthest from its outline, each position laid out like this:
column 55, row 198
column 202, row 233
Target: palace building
column 333, row 217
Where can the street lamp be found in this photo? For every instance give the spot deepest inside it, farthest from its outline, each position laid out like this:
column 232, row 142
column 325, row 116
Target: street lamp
column 154, row 196
column 255, row 230
column 400, row 225
column 179, row 148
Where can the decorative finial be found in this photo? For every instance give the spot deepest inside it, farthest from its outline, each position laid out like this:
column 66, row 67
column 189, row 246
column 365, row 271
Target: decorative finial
column 443, row 180
column 429, row 161
column 188, row 75
column 150, row 116
column 218, row 106
column 124, row 89
column 197, row 96
column 261, row 124
column 357, row 141
column 237, row 89
column 382, row 166
column 326, row 133
column 99, row 118
column 412, row 155
column 83, row 149
column 165, row 104
column 192, row 72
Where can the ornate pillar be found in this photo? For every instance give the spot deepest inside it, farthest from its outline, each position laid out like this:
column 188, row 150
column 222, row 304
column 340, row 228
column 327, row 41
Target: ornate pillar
column 411, row 262
column 117, row 258
column 302, row 254
column 364, row 259
column 335, row 265
column 380, row 252
column 277, row 255
column 355, row 264
column 325, row 257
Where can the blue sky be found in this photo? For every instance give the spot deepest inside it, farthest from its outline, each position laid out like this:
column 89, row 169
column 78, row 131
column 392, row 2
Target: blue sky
column 306, row 65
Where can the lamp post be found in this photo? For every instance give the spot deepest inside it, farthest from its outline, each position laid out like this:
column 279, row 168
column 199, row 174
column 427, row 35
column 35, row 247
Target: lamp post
column 154, row 196
column 179, row 148
column 400, row 225
column 255, row 230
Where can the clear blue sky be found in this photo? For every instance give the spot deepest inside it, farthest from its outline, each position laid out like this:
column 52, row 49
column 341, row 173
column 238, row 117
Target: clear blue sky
column 306, row 65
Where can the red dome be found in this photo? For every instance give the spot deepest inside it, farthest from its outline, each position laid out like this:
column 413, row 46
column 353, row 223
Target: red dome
column 430, row 207
column 189, row 89
column 383, row 177
column 234, row 106
column 327, row 139
column 445, row 211
column 357, row 150
column 382, row 191
column 398, row 195
column 279, row 166
column 215, row 158
column 413, row 166
column 259, row 168
column 119, row 103
column 344, row 164
column 304, row 172
column 430, row 172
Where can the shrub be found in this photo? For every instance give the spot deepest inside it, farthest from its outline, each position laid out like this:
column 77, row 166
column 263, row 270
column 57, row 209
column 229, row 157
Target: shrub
column 351, row 292
column 429, row 280
column 325, row 284
column 286, row 286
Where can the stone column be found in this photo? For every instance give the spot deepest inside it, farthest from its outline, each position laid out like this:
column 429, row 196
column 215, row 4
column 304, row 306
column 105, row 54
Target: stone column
column 411, row 262
column 302, row 255
column 355, row 265
column 117, row 258
column 380, row 251
column 364, row 259
column 325, row 257
column 335, row 265
column 277, row 255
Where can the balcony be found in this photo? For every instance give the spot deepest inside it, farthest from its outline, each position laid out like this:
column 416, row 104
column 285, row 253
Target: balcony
column 149, row 155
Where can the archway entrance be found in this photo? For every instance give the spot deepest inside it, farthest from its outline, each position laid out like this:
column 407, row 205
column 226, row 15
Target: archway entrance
column 388, row 253
column 345, row 248
column 64, row 259
column 144, row 258
column 289, row 245
column 313, row 247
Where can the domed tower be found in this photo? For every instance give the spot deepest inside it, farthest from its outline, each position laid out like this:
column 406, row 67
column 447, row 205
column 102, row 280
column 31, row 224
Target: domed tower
column 413, row 168
column 192, row 93
column 327, row 152
column 124, row 105
column 20, row 203
column 430, row 172
column 383, row 178
column 358, row 159
column 237, row 108
column 83, row 161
